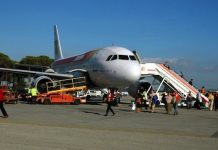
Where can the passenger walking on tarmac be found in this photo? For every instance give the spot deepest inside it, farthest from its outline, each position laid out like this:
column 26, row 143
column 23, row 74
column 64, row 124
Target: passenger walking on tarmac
column 169, row 99
column 211, row 101
column 189, row 99
column 138, row 102
column 150, row 95
column 34, row 93
column 198, row 100
column 110, row 100
column 175, row 100
column 216, row 101
column 163, row 100
column 154, row 99
column 5, row 115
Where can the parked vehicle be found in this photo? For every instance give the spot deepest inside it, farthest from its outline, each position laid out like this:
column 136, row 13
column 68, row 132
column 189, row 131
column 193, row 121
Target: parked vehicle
column 94, row 93
column 90, row 94
column 182, row 103
column 124, row 93
column 10, row 97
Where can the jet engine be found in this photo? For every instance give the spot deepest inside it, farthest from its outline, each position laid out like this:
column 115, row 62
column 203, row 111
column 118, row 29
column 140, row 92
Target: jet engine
column 40, row 83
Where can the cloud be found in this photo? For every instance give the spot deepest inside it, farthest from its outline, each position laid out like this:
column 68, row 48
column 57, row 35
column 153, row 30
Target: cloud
column 210, row 68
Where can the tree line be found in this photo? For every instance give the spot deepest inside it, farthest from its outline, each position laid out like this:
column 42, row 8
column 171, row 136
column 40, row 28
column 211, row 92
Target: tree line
column 6, row 62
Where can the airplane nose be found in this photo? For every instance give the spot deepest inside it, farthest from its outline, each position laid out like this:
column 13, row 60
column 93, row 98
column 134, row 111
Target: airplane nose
column 135, row 74
column 132, row 74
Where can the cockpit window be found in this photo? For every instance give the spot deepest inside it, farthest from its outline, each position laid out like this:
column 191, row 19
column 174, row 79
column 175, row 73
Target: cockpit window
column 114, row 57
column 132, row 57
column 123, row 57
column 109, row 57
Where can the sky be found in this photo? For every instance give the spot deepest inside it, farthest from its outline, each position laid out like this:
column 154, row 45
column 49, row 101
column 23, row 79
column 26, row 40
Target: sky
column 183, row 33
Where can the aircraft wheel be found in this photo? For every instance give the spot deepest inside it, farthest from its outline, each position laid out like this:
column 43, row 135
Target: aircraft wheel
column 77, row 102
column 47, row 101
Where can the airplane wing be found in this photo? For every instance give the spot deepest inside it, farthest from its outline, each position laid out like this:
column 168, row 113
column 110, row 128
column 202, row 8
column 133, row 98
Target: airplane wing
column 35, row 72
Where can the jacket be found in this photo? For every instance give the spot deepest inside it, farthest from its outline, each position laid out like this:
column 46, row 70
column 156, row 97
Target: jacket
column 1, row 95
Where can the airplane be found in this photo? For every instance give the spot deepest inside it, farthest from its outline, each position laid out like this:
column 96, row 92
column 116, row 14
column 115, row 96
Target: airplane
column 109, row 67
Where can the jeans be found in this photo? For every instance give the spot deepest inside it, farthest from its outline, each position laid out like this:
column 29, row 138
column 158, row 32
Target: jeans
column 175, row 108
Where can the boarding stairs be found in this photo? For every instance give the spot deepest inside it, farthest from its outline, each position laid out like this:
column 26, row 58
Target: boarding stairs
column 66, row 85
column 171, row 78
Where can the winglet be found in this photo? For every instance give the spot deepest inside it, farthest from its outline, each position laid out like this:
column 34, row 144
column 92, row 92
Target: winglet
column 57, row 45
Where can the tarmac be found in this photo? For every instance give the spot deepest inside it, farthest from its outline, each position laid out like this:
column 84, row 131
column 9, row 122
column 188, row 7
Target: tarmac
column 84, row 127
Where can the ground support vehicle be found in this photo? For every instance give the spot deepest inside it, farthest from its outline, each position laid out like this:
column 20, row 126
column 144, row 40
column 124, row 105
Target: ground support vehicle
column 59, row 98
column 9, row 96
column 60, row 91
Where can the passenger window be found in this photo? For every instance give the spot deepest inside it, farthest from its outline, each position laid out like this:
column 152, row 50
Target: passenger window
column 114, row 57
column 132, row 57
column 123, row 57
column 109, row 57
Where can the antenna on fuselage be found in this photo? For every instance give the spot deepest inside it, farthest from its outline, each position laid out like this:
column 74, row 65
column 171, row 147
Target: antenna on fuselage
column 137, row 56
column 57, row 45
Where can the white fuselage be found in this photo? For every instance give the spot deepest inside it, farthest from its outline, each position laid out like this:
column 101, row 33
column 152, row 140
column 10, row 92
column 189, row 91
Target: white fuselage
column 111, row 67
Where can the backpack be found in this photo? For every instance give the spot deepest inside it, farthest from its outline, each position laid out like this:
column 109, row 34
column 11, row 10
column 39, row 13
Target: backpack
column 155, row 99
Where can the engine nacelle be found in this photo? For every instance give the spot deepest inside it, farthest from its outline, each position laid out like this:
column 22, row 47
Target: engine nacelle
column 40, row 83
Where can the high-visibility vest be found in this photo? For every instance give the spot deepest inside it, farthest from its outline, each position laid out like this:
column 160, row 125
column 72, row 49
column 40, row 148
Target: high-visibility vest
column 34, row 92
column 144, row 95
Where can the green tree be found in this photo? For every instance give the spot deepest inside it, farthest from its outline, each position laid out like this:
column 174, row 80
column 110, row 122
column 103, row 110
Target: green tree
column 38, row 60
column 5, row 61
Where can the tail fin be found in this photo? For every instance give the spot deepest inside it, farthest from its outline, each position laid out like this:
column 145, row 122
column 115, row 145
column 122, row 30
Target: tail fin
column 57, row 45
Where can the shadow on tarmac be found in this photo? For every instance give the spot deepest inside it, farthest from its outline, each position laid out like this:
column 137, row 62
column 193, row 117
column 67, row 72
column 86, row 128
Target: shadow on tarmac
column 89, row 112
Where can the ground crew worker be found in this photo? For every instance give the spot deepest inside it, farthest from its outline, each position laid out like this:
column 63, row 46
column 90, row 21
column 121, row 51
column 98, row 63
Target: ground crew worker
column 5, row 115
column 34, row 93
column 28, row 95
column 211, row 101
column 144, row 95
column 110, row 101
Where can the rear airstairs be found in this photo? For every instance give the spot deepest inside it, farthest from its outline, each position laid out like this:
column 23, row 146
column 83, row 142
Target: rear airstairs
column 171, row 78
